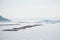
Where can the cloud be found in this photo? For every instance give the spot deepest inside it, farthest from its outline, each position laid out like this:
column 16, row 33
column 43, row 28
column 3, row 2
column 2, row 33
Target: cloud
column 29, row 8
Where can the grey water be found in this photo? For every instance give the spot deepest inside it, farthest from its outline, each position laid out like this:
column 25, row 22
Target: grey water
column 45, row 32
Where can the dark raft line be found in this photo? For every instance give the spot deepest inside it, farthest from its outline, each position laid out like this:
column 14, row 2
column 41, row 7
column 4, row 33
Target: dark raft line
column 24, row 27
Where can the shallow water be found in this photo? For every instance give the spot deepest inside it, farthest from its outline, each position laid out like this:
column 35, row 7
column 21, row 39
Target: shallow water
column 44, row 32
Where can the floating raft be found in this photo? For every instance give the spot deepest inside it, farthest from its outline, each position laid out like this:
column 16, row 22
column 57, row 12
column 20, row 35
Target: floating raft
column 24, row 27
column 9, row 30
column 8, row 24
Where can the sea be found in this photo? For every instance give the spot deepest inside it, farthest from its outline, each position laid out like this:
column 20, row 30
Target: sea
column 47, row 31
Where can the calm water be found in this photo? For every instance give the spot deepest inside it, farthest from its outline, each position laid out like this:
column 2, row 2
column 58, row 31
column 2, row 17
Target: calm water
column 44, row 32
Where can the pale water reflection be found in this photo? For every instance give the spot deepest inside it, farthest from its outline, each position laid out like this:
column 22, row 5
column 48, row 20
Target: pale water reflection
column 45, row 32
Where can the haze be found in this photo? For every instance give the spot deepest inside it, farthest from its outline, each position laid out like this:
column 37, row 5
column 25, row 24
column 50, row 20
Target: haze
column 30, row 8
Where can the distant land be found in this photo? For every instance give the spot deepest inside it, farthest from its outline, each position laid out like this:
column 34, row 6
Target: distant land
column 3, row 19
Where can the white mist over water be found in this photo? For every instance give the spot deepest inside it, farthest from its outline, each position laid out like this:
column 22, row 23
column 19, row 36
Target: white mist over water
column 26, row 9
column 44, row 32
column 29, row 8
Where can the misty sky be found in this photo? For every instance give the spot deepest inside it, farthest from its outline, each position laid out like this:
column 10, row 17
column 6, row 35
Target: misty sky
column 30, row 8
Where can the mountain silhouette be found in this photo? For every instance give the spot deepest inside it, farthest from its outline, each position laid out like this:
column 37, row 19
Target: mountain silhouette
column 3, row 19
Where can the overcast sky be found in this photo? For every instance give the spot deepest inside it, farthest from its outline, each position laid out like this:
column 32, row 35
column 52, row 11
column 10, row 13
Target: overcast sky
column 30, row 8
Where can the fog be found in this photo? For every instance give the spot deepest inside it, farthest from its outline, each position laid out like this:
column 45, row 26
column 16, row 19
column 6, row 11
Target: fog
column 30, row 8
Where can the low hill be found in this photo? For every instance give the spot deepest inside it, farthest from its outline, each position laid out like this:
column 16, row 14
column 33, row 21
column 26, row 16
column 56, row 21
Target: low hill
column 3, row 19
